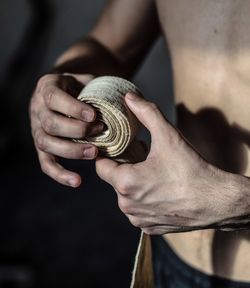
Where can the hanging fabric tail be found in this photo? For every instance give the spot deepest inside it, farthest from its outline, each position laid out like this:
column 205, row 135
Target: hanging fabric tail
column 143, row 276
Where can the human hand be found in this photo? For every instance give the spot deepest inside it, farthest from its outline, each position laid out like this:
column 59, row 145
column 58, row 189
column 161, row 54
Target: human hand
column 174, row 189
column 52, row 130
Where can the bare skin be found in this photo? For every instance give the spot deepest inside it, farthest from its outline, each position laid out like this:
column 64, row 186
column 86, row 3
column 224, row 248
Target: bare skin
column 209, row 43
column 179, row 190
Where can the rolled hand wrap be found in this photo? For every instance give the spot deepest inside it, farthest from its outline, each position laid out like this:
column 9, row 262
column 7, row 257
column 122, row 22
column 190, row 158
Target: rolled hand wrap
column 106, row 95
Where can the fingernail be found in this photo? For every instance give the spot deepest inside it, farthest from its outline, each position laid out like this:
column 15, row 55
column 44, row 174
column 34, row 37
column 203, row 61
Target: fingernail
column 89, row 153
column 131, row 96
column 88, row 116
column 98, row 128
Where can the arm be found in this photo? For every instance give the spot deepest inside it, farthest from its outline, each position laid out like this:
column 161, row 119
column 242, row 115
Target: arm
column 175, row 189
column 115, row 46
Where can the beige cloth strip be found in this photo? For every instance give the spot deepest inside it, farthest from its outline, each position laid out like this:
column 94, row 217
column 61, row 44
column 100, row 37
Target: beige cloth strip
column 106, row 95
column 143, row 276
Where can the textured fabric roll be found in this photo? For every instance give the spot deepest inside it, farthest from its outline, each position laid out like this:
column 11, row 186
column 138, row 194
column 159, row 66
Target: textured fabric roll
column 106, row 95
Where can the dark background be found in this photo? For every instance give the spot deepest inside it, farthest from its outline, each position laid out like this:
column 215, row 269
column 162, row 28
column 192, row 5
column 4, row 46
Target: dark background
column 50, row 235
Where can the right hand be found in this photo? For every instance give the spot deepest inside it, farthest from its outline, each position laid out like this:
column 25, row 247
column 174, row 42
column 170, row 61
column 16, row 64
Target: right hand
column 52, row 130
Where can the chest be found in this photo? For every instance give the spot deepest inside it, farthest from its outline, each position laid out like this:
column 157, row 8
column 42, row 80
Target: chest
column 213, row 25
column 209, row 44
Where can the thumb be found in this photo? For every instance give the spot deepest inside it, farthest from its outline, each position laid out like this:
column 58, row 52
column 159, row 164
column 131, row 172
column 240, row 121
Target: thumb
column 106, row 169
column 147, row 113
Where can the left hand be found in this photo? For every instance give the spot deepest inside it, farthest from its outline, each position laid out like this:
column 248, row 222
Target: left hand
column 174, row 189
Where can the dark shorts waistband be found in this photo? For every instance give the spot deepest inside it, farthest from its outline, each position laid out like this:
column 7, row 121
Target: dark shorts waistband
column 171, row 272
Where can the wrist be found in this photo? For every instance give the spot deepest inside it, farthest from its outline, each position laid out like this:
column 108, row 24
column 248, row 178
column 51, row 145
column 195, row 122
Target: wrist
column 234, row 201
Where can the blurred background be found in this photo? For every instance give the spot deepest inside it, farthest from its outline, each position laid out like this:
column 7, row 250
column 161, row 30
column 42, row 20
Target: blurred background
column 50, row 235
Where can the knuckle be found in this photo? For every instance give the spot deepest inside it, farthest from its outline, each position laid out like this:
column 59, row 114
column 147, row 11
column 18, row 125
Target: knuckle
column 45, row 79
column 49, row 125
column 49, row 95
column 136, row 222
column 40, row 141
column 34, row 106
column 126, row 185
column 150, row 107
column 42, row 82
column 124, row 206
column 44, row 167
column 123, row 187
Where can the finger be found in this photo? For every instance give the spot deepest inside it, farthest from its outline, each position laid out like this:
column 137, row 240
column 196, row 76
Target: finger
column 147, row 113
column 107, row 169
column 58, row 125
column 63, row 148
column 54, row 170
column 59, row 101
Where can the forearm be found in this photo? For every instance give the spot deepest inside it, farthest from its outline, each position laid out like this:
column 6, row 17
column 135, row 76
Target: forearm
column 118, row 42
column 89, row 56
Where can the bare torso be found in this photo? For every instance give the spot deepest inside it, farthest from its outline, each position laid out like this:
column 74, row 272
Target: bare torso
column 209, row 44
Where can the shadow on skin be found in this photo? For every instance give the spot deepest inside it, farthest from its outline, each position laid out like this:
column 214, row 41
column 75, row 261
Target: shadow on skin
column 215, row 139
column 224, row 146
